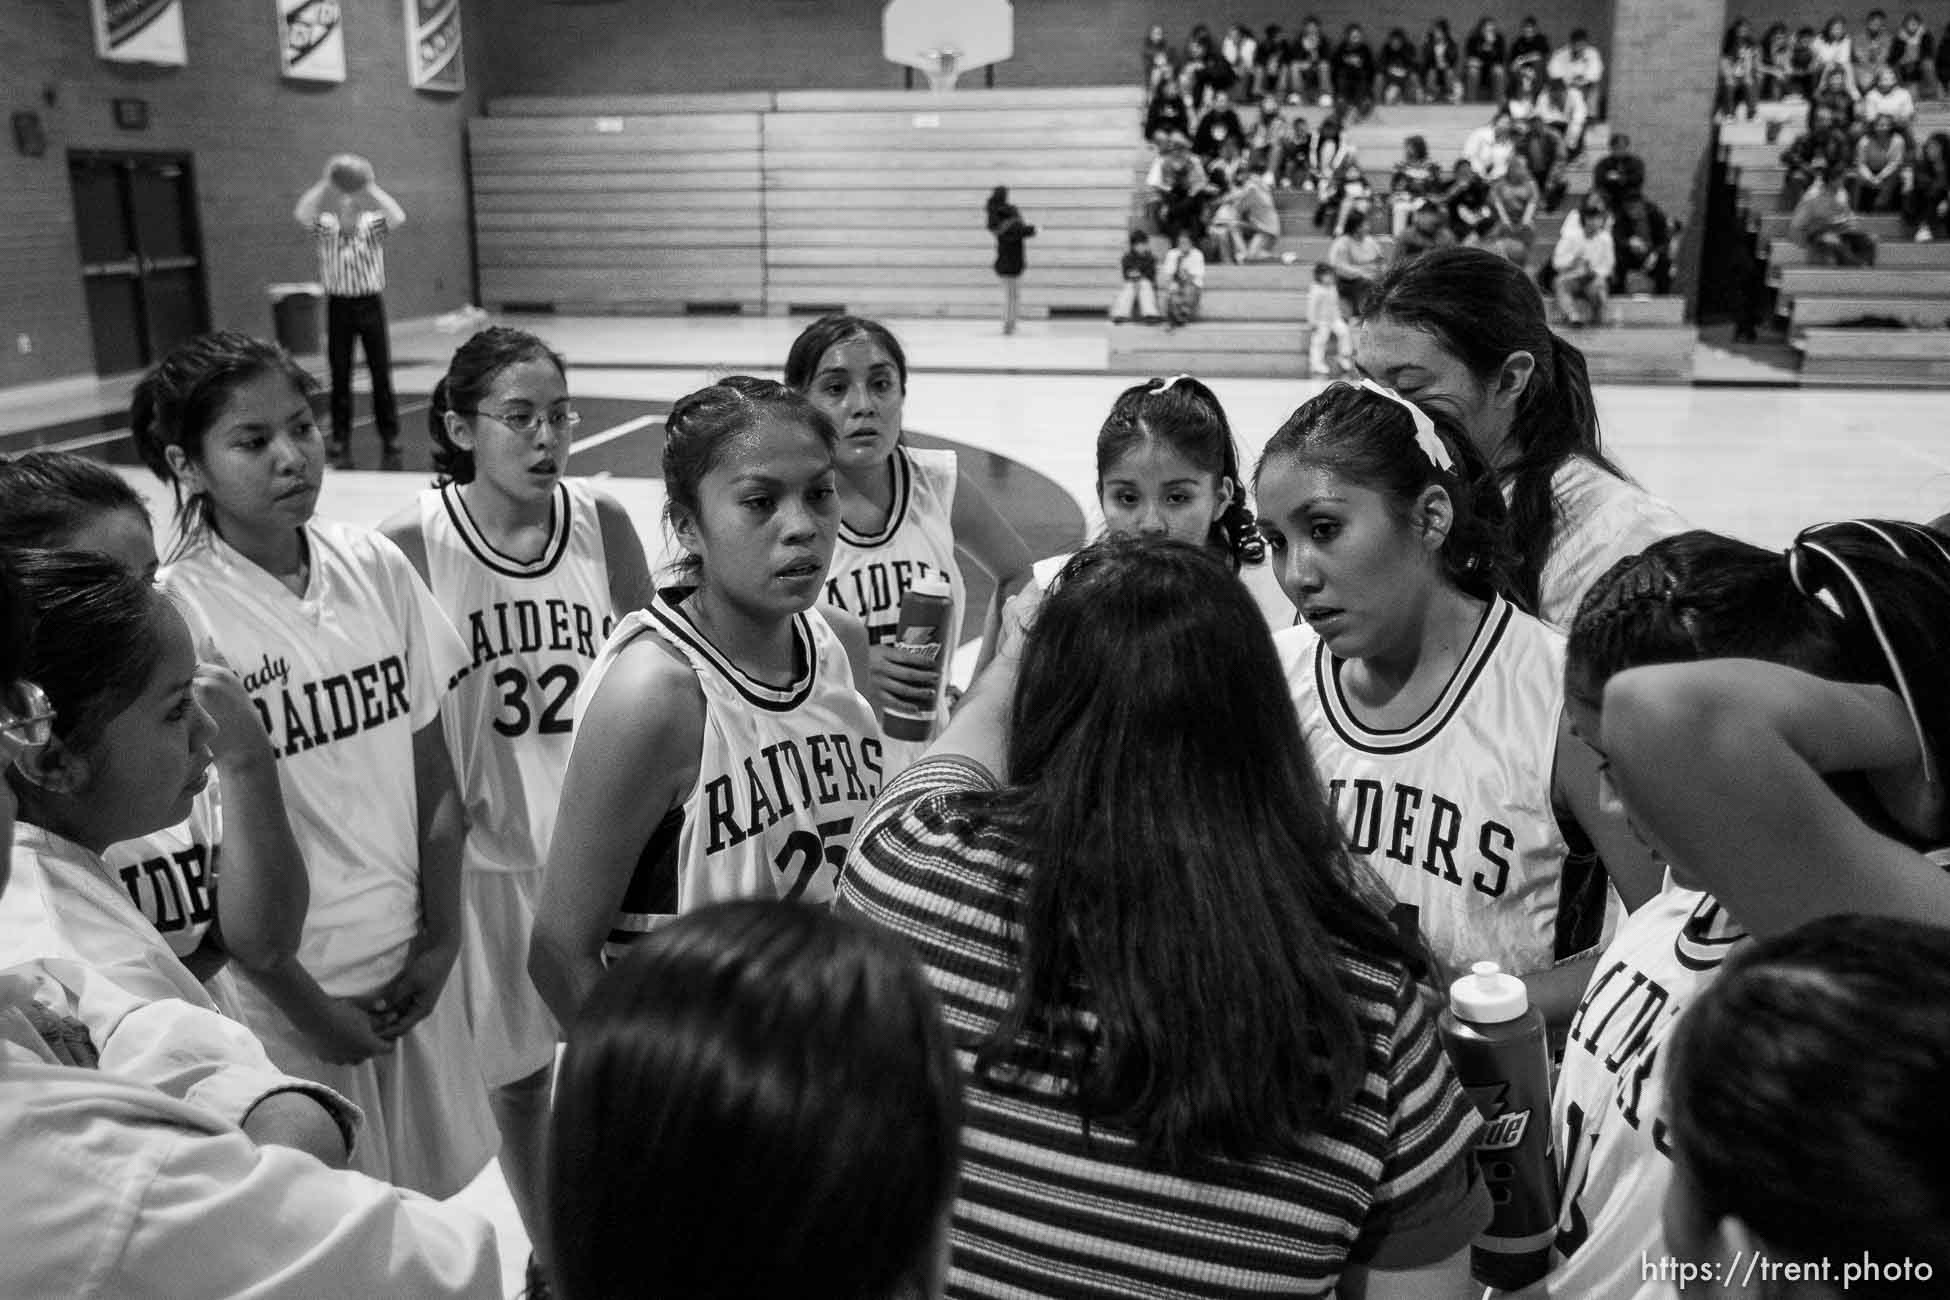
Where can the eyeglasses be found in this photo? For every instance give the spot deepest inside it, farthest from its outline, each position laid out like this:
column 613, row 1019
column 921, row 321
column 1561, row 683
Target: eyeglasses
column 529, row 424
column 26, row 716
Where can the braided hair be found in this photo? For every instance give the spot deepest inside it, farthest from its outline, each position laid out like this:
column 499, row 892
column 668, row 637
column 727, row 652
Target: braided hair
column 1185, row 415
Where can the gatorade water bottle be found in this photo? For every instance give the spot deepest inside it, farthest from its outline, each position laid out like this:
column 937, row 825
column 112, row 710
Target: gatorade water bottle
column 922, row 635
column 1496, row 1042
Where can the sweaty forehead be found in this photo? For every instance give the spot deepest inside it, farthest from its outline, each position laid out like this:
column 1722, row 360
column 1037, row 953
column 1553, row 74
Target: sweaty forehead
column 1386, row 351
column 857, row 354
column 531, row 379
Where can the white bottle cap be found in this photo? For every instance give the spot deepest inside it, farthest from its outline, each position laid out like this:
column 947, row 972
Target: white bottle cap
column 933, row 586
column 1487, row 996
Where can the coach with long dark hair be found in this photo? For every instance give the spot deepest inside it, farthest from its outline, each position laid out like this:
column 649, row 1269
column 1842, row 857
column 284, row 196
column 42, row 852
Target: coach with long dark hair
column 1196, row 1059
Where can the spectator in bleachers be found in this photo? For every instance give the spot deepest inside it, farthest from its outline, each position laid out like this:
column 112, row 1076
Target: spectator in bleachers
column 1331, row 152
column 1417, row 177
column 1184, row 275
column 1401, row 69
column 1139, row 293
column 1563, row 109
column 1641, row 237
column 1514, row 199
column 1739, row 71
column 1240, row 50
column 1889, row 98
column 1326, row 323
column 1619, row 173
column 1804, row 65
column 1543, row 149
column 1467, row 202
column 1583, row 262
column 1875, row 181
column 1296, row 162
column 1530, row 49
column 1219, row 124
column 1270, row 142
column 1357, row 260
column 1929, row 192
column 1484, row 57
column 1825, row 225
column 1871, row 53
column 1834, row 92
column 1833, row 49
column 1345, row 192
column 1441, row 64
column 1774, row 71
column 1256, row 221
column 1200, row 70
column 1526, row 87
column 1823, row 147
column 1176, row 186
column 1912, row 53
column 1156, row 47
column 1354, row 72
column 1489, row 146
column 1270, row 71
column 1943, row 60
column 1309, row 65
column 1167, row 112
column 1428, row 227
column 1579, row 63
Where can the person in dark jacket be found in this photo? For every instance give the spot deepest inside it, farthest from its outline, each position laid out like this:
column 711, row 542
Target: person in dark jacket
column 1009, row 229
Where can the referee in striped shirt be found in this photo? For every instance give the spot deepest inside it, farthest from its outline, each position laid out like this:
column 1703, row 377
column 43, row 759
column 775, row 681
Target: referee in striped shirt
column 349, row 216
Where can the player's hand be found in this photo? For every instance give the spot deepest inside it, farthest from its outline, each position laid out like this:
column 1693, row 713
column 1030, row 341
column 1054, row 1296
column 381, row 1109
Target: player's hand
column 903, row 677
column 1018, row 615
column 240, row 737
column 412, row 994
column 66, row 1037
column 341, row 1033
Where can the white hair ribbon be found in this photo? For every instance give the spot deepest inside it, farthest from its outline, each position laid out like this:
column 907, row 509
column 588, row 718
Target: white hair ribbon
column 1425, row 435
column 1166, row 385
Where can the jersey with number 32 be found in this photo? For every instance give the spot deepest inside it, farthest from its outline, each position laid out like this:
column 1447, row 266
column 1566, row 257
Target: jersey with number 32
column 532, row 628
column 784, row 774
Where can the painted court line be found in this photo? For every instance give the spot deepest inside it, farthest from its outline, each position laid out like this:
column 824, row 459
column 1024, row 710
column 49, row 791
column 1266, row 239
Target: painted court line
column 622, row 430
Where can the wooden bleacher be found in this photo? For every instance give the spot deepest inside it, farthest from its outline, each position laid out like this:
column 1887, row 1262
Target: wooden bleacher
column 1252, row 319
column 1909, row 286
column 870, row 201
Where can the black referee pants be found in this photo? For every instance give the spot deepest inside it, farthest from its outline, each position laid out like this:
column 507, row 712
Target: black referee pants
column 361, row 318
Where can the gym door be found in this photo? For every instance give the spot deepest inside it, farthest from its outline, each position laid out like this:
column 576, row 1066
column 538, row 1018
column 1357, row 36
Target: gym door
column 141, row 254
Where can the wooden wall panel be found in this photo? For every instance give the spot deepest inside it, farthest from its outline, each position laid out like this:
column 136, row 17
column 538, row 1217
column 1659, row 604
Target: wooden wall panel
column 257, row 141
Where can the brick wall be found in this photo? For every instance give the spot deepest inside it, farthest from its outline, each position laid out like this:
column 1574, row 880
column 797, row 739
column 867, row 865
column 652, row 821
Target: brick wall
column 257, row 142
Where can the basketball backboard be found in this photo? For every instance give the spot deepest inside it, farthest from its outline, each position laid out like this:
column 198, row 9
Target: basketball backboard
column 945, row 38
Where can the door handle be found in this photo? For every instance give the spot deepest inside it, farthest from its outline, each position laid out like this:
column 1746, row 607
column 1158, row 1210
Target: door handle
column 130, row 266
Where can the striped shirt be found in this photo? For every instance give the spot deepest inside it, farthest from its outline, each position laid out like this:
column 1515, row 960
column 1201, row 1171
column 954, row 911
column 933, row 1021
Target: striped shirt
column 1388, row 1182
column 351, row 263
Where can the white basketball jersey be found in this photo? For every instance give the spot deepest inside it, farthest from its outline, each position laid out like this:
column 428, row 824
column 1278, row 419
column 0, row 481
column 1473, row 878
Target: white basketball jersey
column 1454, row 812
column 1608, row 1106
column 171, row 875
column 783, row 777
column 342, row 677
column 872, row 571
column 532, row 628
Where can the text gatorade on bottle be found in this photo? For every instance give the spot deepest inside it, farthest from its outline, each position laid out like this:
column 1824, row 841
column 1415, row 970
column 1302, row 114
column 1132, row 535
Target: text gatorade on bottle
column 922, row 634
column 1496, row 1043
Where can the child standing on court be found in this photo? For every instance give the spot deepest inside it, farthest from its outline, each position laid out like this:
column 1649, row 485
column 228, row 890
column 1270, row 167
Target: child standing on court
column 1326, row 322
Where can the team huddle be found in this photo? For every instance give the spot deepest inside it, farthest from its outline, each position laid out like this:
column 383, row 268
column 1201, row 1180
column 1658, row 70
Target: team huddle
column 1156, row 918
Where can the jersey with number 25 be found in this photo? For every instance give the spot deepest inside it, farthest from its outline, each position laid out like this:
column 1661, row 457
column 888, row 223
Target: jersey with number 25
column 532, row 628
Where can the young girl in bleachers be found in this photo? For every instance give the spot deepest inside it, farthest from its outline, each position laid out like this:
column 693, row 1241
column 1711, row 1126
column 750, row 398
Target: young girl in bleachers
column 347, row 658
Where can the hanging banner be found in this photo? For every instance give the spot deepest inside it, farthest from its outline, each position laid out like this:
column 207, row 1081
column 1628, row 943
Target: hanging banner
column 311, row 39
column 433, row 44
column 140, row 31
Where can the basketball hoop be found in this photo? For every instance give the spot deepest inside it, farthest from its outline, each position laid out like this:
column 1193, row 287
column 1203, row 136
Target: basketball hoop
column 943, row 68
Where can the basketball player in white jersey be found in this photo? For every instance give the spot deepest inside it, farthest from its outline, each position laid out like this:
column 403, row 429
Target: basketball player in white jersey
column 1700, row 596
column 1433, row 708
column 1167, row 466
column 905, row 512
column 724, row 747
column 533, row 569
column 347, row 659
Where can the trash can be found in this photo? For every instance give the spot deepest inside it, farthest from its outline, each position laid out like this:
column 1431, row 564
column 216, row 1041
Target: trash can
column 294, row 315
